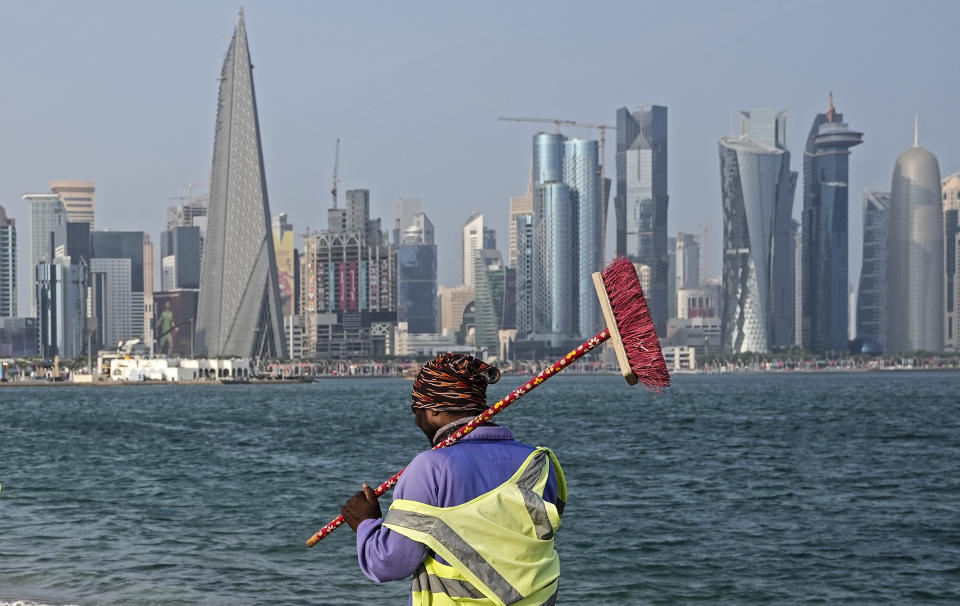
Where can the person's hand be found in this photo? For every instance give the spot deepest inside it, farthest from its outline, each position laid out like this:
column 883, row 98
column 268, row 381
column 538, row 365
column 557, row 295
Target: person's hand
column 361, row 506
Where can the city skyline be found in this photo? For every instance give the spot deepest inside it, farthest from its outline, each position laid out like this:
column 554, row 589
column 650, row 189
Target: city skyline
column 92, row 132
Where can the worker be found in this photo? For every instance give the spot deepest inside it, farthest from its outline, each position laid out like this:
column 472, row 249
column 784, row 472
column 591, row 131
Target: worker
column 473, row 523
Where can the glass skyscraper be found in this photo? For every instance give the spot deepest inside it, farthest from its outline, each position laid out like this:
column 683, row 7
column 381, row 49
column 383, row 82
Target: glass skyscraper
column 915, row 267
column 417, row 276
column 872, row 290
column 8, row 265
column 826, row 162
column 238, row 313
column 757, row 187
column 641, row 199
column 566, row 239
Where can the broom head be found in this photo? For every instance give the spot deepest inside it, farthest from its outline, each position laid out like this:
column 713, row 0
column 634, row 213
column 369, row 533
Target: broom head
column 632, row 332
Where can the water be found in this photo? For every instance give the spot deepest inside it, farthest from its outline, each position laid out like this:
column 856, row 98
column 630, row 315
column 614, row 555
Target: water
column 808, row 489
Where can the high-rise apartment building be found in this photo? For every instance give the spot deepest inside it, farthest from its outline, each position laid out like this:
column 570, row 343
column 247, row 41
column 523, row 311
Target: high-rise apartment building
column 581, row 172
column 915, row 268
column 239, row 307
column 951, row 232
column 757, row 186
column 46, row 214
column 825, row 297
column 523, row 230
column 8, row 265
column 473, row 234
column 872, row 289
column 641, row 200
column 77, row 198
column 417, row 275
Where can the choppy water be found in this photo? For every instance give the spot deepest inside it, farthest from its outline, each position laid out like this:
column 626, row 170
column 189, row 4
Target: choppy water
column 828, row 488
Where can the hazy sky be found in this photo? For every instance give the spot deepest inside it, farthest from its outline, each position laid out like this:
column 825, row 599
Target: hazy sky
column 125, row 93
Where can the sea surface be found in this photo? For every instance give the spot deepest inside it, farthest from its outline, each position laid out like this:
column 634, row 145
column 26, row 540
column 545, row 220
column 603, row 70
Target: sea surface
column 745, row 489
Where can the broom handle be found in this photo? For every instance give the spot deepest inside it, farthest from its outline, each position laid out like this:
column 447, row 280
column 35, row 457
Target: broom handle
column 482, row 418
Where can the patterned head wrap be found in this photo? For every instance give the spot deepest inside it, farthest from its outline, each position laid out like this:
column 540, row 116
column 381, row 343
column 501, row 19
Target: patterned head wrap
column 453, row 382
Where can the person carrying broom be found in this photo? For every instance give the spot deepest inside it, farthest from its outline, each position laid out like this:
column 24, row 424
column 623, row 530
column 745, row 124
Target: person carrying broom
column 473, row 523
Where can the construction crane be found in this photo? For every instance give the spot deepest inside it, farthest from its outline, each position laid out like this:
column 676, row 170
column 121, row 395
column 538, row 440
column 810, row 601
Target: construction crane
column 336, row 177
column 603, row 128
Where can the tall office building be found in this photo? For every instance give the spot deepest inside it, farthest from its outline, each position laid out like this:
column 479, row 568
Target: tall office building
column 581, row 173
column 688, row 261
column 556, row 292
column 641, row 200
column 46, row 214
column 239, row 307
column 758, row 239
column 523, row 229
column 473, row 231
column 149, row 285
column 77, row 198
column 951, row 232
column 872, row 289
column 8, row 265
column 453, row 302
column 117, row 256
column 520, row 207
column 348, row 284
column 180, row 258
column 287, row 264
column 417, row 276
column 188, row 213
column 61, row 296
column 825, row 285
column 406, row 209
column 495, row 304
column 915, row 268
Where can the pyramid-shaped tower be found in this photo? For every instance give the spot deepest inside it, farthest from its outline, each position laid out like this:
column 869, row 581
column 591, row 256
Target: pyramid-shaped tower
column 239, row 309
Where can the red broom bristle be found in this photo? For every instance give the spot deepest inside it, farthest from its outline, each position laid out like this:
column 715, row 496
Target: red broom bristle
column 637, row 331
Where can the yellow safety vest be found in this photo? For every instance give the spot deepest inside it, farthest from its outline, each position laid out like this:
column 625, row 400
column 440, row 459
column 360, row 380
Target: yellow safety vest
column 499, row 545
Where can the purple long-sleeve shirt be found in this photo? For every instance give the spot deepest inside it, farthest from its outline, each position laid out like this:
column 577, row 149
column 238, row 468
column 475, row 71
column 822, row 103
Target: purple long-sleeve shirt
column 482, row 460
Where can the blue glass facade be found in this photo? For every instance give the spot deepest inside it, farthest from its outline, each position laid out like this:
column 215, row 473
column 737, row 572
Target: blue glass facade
column 417, row 287
column 581, row 172
column 872, row 290
column 641, row 200
column 825, row 233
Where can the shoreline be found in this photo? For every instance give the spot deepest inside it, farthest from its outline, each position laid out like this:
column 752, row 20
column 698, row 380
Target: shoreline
column 302, row 381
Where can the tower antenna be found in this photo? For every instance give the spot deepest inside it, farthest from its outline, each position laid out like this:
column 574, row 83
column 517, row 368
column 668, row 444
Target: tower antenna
column 916, row 130
column 336, row 177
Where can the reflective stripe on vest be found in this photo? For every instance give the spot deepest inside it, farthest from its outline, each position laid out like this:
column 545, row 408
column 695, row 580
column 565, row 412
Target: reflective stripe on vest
column 455, row 588
column 446, row 536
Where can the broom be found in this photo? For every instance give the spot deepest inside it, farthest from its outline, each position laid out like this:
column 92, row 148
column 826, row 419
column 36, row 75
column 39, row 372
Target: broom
column 629, row 327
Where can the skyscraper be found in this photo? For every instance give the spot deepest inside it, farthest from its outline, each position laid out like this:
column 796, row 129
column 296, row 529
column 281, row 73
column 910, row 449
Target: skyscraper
column 180, row 258
column 641, row 200
column 8, row 265
column 825, row 218
column 46, row 214
column 77, row 198
column 581, row 173
column 951, row 231
column 472, row 242
column 239, row 307
column 417, row 276
column 872, row 290
column 915, row 268
column 758, row 241
column 118, row 256
column 520, row 206
column 688, row 261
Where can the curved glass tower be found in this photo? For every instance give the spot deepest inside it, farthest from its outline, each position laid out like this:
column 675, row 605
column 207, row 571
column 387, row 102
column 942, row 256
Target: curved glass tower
column 915, row 267
column 758, row 262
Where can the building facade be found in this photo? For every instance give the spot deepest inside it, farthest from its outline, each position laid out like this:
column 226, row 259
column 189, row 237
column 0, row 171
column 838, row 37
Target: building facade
column 581, row 173
column 757, row 187
column 78, row 200
column 288, row 264
column 417, row 276
column 180, row 258
column 641, row 200
column 872, row 288
column 61, row 290
column 239, row 308
column 8, row 265
column 915, row 257
column 46, row 215
column 951, row 232
column 825, row 280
